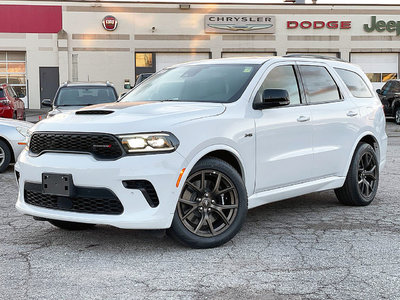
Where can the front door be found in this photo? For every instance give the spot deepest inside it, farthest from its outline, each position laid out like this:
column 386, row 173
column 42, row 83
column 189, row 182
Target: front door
column 284, row 153
column 49, row 82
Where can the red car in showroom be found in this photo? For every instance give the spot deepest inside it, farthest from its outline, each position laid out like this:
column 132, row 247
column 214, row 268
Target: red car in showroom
column 10, row 105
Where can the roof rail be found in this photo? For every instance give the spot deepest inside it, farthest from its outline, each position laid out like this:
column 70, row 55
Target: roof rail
column 301, row 55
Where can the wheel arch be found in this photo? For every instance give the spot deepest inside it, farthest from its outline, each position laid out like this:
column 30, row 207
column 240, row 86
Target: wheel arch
column 223, row 152
column 11, row 148
column 366, row 137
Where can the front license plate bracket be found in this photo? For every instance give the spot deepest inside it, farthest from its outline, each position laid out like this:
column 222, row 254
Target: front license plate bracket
column 57, row 184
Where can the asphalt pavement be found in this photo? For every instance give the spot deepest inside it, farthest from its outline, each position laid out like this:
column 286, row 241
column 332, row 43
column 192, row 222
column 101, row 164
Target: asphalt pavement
column 309, row 247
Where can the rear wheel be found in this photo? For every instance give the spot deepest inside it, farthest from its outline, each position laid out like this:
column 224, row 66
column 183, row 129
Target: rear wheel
column 212, row 206
column 362, row 178
column 5, row 156
column 70, row 225
column 397, row 115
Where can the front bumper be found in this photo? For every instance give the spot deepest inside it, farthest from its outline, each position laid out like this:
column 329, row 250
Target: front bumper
column 162, row 170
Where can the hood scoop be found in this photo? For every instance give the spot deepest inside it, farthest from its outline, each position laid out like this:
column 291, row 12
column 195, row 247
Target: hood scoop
column 94, row 112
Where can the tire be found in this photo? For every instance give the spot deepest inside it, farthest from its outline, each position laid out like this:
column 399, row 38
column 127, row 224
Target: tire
column 362, row 179
column 71, row 225
column 212, row 206
column 15, row 115
column 5, row 156
column 397, row 115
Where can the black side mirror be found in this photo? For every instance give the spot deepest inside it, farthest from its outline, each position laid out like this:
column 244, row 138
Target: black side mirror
column 47, row 102
column 378, row 91
column 273, row 98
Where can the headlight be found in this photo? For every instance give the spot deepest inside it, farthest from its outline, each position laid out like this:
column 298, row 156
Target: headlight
column 23, row 131
column 149, row 142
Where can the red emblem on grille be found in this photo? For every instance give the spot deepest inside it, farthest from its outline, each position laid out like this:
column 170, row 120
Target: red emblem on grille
column 110, row 23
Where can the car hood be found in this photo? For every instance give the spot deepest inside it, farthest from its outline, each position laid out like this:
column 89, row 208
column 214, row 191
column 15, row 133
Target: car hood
column 130, row 117
column 14, row 123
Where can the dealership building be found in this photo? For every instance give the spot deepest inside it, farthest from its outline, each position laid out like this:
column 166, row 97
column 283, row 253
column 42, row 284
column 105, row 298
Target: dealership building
column 45, row 43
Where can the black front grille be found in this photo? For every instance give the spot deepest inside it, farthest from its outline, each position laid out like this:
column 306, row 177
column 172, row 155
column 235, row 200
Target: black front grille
column 102, row 146
column 86, row 200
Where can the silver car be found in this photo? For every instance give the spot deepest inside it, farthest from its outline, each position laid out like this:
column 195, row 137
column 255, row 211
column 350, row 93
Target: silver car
column 13, row 135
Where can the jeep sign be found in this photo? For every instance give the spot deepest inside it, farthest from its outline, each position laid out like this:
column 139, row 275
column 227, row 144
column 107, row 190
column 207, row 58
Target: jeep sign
column 381, row 26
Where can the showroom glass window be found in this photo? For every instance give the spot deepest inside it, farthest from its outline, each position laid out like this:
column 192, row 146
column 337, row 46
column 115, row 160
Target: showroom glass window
column 354, row 83
column 282, row 77
column 319, row 84
column 13, row 70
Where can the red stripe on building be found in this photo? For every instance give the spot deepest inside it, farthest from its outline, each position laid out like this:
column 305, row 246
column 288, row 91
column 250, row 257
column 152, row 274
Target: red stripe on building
column 30, row 18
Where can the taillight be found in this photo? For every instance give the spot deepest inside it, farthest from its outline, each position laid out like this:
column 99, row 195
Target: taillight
column 4, row 101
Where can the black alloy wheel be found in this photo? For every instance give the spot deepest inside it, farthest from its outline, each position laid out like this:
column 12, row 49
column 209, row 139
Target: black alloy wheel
column 212, row 205
column 367, row 174
column 362, row 179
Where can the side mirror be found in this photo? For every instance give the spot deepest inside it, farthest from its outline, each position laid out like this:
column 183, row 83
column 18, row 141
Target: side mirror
column 272, row 98
column 127, row 86
column 378, row 91
column 47, row 102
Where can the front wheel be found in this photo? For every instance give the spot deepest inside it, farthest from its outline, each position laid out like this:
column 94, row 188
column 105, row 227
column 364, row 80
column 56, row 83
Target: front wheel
column 362, row 179
column 5, row 156
column 212, row 206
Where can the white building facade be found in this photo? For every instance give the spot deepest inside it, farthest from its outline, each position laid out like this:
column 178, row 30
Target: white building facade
column 52, row 42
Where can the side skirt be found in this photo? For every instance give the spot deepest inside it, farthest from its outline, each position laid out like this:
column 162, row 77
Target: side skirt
column 291, row 191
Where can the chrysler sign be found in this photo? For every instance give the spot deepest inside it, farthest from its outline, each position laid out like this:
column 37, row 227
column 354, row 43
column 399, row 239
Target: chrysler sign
column 239, row 24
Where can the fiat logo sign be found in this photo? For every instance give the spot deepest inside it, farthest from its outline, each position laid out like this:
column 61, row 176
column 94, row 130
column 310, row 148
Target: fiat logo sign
column 110, row 23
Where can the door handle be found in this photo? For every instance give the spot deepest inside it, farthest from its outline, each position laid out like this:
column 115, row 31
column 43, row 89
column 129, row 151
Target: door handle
column 303, row 119
column 352, row 113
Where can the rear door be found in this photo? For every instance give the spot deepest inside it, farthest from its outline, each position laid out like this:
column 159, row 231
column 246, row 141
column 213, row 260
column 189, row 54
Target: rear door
column 283, row 134
column 335, row 119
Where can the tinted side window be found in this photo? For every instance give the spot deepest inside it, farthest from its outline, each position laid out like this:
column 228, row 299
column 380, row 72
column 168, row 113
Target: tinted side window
column 319, row 84
column 282, row 77
column 2, row 94
column 354, row 83
column 395, row 88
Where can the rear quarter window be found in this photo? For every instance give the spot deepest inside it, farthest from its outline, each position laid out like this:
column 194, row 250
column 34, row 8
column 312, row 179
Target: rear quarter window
column 354, row 83
column 319, row 84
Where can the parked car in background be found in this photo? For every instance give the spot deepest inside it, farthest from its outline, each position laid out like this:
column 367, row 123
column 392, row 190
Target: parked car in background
column 13, row 136
column 192, row 148
column 11, row 106
column 74, row 95
column 390, row 97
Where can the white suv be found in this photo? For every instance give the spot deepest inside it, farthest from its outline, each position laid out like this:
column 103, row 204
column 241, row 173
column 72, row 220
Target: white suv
column 196, row 145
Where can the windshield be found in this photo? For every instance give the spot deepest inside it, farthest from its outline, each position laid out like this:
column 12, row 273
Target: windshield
column 84, row 95
column 220, row 83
